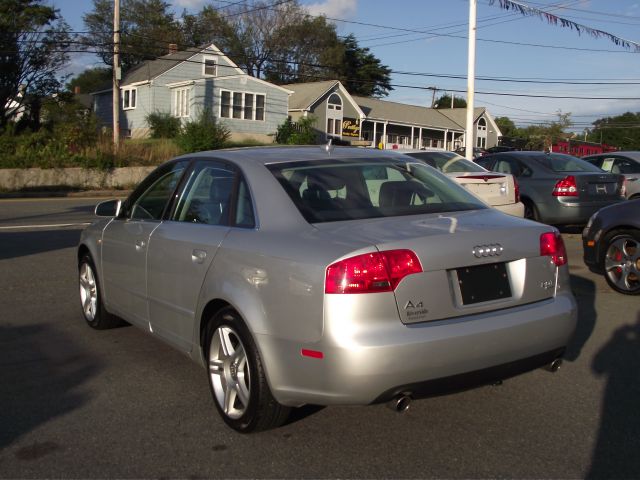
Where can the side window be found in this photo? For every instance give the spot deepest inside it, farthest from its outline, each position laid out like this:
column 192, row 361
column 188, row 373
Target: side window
column 151, row 202
column 207, row 195
column 244, row 210
column 597, row 161
column 523, row 169
column 624, row 165
column 506, row 165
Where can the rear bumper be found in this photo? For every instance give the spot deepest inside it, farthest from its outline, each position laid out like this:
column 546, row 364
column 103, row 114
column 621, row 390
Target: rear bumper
column 565, row 212
column 363, row 367
column 515, row 209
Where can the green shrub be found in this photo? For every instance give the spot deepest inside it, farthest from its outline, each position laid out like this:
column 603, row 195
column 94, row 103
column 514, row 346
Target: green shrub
column 163, row 125
column 301, row 132
column 204, row 133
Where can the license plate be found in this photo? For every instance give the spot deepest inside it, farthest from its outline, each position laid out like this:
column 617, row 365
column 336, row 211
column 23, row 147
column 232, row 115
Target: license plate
column 482, row 283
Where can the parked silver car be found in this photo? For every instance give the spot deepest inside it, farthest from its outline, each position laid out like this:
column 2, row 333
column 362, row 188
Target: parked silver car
column 625, row 163
column 346, row 276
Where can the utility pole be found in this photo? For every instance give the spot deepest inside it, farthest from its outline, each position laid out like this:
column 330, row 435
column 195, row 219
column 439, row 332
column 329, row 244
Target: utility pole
column 471, row 78
column 452, row 97
column 433, row 96
column 116, row 74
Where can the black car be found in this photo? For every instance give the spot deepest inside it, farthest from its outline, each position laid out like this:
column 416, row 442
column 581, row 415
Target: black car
column 555, row 188
column 611, row 244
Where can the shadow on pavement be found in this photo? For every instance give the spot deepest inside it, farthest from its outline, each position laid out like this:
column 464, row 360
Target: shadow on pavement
column 22, row 243
column 617, row 450
column 42, row 372
column 585, row 292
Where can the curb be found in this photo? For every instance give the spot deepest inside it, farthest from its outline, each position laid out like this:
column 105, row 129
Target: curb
column 69, row 194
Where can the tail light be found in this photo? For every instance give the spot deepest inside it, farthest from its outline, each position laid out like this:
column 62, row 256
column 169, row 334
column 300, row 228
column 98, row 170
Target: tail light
column 623, row 187
column 566, row 187
column 516, row 189
column 371, row 272
column 552, row 245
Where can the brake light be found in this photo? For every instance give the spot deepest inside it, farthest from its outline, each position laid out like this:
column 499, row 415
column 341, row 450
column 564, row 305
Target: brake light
column 623, row 187
column 516, row 189
column 552, row 245
column 371, row 272
column 566, row 187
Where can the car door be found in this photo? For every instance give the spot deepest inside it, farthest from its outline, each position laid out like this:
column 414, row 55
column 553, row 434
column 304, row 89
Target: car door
column 182, row 248
column 125, row 241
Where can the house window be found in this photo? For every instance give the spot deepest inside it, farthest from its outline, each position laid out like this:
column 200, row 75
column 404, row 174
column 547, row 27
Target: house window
column 129, row 98
column 334, row 102
column 210, row 66
column 241, row 105
column 334, row 115
column 181, row 102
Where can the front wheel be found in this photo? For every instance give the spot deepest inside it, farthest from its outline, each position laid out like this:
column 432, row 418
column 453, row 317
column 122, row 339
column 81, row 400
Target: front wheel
column 531, row 211
column 236, row 376
column 90, row 297
column 621, row 262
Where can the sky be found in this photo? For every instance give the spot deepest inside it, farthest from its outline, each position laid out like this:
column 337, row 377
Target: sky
column 510, row 46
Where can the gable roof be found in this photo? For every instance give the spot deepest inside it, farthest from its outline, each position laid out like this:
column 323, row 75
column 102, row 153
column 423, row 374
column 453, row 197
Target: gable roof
column 404, row 113
column 459, row 115
column 151, row 69
column 306, row 94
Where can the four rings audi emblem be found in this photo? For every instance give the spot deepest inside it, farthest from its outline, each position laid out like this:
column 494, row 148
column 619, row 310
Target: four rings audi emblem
column 491, row 250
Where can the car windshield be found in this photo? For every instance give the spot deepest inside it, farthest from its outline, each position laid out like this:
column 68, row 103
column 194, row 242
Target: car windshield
column 447, row 162
column 326, row 191
column 565, row 163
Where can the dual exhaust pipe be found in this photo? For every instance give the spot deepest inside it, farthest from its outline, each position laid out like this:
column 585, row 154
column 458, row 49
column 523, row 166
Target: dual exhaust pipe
column 402, row 402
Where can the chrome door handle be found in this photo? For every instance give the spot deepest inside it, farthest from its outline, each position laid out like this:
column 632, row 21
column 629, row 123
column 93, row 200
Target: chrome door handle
column 140, row 245
column 198, row 256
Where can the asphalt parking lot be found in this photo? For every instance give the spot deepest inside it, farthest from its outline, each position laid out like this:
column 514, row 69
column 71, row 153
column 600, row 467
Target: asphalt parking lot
column 78, row 403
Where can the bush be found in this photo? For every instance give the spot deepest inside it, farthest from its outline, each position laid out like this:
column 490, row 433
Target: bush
column 163, row 125
column 205, row 133
column 301, row 132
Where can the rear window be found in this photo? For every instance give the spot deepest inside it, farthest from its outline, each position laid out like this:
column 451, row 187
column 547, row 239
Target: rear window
column 326, row 191
column 447, row 162
column 565, row 163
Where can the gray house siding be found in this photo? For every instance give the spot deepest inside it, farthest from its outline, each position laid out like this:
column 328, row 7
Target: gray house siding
column 319, row 112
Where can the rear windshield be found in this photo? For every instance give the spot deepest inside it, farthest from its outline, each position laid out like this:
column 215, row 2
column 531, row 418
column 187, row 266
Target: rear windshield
column 565, row 163
column 327, row 191
column 447, row 162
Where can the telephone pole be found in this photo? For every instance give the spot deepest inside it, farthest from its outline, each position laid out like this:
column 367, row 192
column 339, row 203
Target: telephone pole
column 433, row 96
column 471, row 77
column 116, row 74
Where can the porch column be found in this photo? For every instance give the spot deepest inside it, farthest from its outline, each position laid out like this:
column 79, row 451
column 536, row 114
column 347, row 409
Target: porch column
column 446, row 138
column 420, row 138
column 373, row 142
column 384, row 135
column 412, row 146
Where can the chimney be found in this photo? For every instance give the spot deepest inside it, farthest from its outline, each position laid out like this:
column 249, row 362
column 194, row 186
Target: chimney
column 76, row 90
column 173, row 48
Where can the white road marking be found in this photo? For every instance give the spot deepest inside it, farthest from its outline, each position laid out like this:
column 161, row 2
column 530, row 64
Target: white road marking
column 56, row 225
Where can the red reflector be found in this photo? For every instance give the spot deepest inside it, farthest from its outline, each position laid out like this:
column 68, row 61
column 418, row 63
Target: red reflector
column 552, row 245
column 311, row 353
column 371, row 272
column 516, row 189
column 566, row 187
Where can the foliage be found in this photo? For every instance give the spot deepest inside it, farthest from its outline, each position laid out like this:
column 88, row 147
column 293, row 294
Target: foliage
column 301, row 132
column 163, row 125
column 506, row 126
column 204, row 133
column 445, row 102
column 34, row 40
column 535, row 137
column 147, row 28
column 620, row 131
column 91, row 80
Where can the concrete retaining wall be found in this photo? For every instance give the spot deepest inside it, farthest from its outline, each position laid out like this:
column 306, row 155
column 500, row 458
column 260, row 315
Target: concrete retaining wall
column 12, row 179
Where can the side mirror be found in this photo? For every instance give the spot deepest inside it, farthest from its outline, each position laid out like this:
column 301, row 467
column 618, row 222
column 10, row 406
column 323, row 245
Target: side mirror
column 108, row 208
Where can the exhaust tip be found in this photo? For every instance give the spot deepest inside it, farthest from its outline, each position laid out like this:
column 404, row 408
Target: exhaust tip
column 400, row 404
column 554, row 366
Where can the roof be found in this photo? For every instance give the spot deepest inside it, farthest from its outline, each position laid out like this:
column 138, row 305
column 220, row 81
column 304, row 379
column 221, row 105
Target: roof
column 306, row 94
column 153, row 68
column 459, row 115
column 403, row 113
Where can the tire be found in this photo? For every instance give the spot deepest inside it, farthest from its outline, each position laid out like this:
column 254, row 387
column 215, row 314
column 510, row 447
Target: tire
column 91, row 297
column 531, row 211
column 236, row 376
column 621, row 261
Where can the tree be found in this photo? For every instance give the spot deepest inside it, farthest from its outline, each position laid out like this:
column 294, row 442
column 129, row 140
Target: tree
column 91, row 80
column 361, row 72
column 34, row 41
column 147, row 28
column 622, row 131
column 507, row 126
column 445, row 102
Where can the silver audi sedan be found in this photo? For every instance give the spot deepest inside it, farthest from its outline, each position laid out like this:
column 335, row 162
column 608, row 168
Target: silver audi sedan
column 326, row 276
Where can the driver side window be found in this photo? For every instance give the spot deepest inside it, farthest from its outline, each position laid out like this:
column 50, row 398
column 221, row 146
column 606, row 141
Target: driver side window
column 150, row 204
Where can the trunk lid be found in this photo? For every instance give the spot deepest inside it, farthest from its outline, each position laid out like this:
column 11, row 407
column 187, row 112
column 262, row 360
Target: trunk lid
column 492, row 188
column 472, row 262
column 598, row 186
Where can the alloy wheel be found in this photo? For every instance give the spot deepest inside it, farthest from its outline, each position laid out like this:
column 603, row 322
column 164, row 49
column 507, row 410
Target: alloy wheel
column 88, row 292
column 622, row 263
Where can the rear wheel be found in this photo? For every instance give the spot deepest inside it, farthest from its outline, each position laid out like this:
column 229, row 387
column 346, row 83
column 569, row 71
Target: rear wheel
column 236, row 376
column 90, row 297
column 621, row 262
